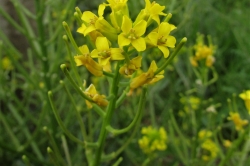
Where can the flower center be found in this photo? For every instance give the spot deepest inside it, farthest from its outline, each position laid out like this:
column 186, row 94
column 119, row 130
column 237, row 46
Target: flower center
column 92, row 20
column 104, row 54
column 132, row 35
column 161, row 40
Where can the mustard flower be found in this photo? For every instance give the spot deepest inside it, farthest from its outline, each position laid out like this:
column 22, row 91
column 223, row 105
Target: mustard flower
column 147, row 78
column 88, row 62
column 210, row 150
column 92, row 22
column 6, row 64
column 132, row 34
column 97, row 98
column 134, row 64
column 190, row 103
column 160, row 37
column 246, row 97
column 104, row 53
column 204, row 134
column 238, row 122
column 117, row 5
column 153, row 139
column 152, row 11
column 227, row 143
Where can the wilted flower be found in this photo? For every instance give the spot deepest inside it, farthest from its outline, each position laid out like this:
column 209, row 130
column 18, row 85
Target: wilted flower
column 97, row 98
column 85, row 60
column 147, row 78
column 134, row 64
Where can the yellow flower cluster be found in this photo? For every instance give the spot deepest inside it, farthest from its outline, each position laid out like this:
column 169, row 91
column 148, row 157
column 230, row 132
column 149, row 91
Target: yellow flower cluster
column 209, row 148
column 246, row 97
column 6, row 64
column 238, row 122
column 203, row 53
column 114, row 39
column 153, row 139
column 190, row 103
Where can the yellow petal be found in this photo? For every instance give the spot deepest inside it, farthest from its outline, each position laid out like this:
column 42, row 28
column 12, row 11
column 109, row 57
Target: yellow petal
column 138, row 81
column 88, row 16
column 80, row 60
column 104, row 61
column 89, row 29
column 164, row 29
column 140, row 28
column 94, row 53
column 102, row 43
column 164, row 50
column 170, row 41
column 123, row 41
column 137, row 61
column 91, row 89
column 126, row 24
column 139, row 44
column 153, row 37
column 101, row 9
column 116, row 54
column 84, row 49
column 81, row 29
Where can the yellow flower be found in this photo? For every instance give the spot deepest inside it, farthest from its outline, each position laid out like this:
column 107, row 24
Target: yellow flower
column 117, row 5
column 132, row 34
column 204, row 134
column 210, row 150
column 104, row 53
column 227, row 143
column 97, row 98
column 88, row 62
column 153, row 139
column 147, row 78
column 134, row 64
column 6, row 64
column 190, row 103
column 151, row 11
column 246, row 97
column 160, row 37
column 92, row 22
column 238, row 122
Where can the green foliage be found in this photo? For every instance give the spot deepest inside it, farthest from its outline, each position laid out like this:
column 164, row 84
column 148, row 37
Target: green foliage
column 31, row 135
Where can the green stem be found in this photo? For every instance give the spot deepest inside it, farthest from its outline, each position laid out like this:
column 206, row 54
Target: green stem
column 235, row 145
column 136, row 118
column 65, row 130
column 66, row 73
column 82, row 126
column 66, row 150
column 171, row 57
column 107, row 118
column 66, row 27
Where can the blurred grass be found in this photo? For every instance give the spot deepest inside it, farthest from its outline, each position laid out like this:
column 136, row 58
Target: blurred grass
column 24, row 105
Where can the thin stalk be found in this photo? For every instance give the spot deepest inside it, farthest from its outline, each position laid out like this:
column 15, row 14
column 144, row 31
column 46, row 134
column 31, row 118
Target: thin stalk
column 66, row 150
column 78, row 115
column 171, row 57
column 40, row 6
column 107, row 118
column 136, row 118
column 65, row 130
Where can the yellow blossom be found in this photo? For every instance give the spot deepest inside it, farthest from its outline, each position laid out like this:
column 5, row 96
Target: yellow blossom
column 210, row 150
column 153, row 139
column 190, row 103
column 204, row 134
column 147, row 78
column 246, row 97
column 6, row 64
column 238, row 122
column 88, row 62
column 132, row 34
column 227, row 143
column 97, row 98
column 92, row 22
column 104, row 53
column 151, row 12
column 134, row 64
column 160, row 37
